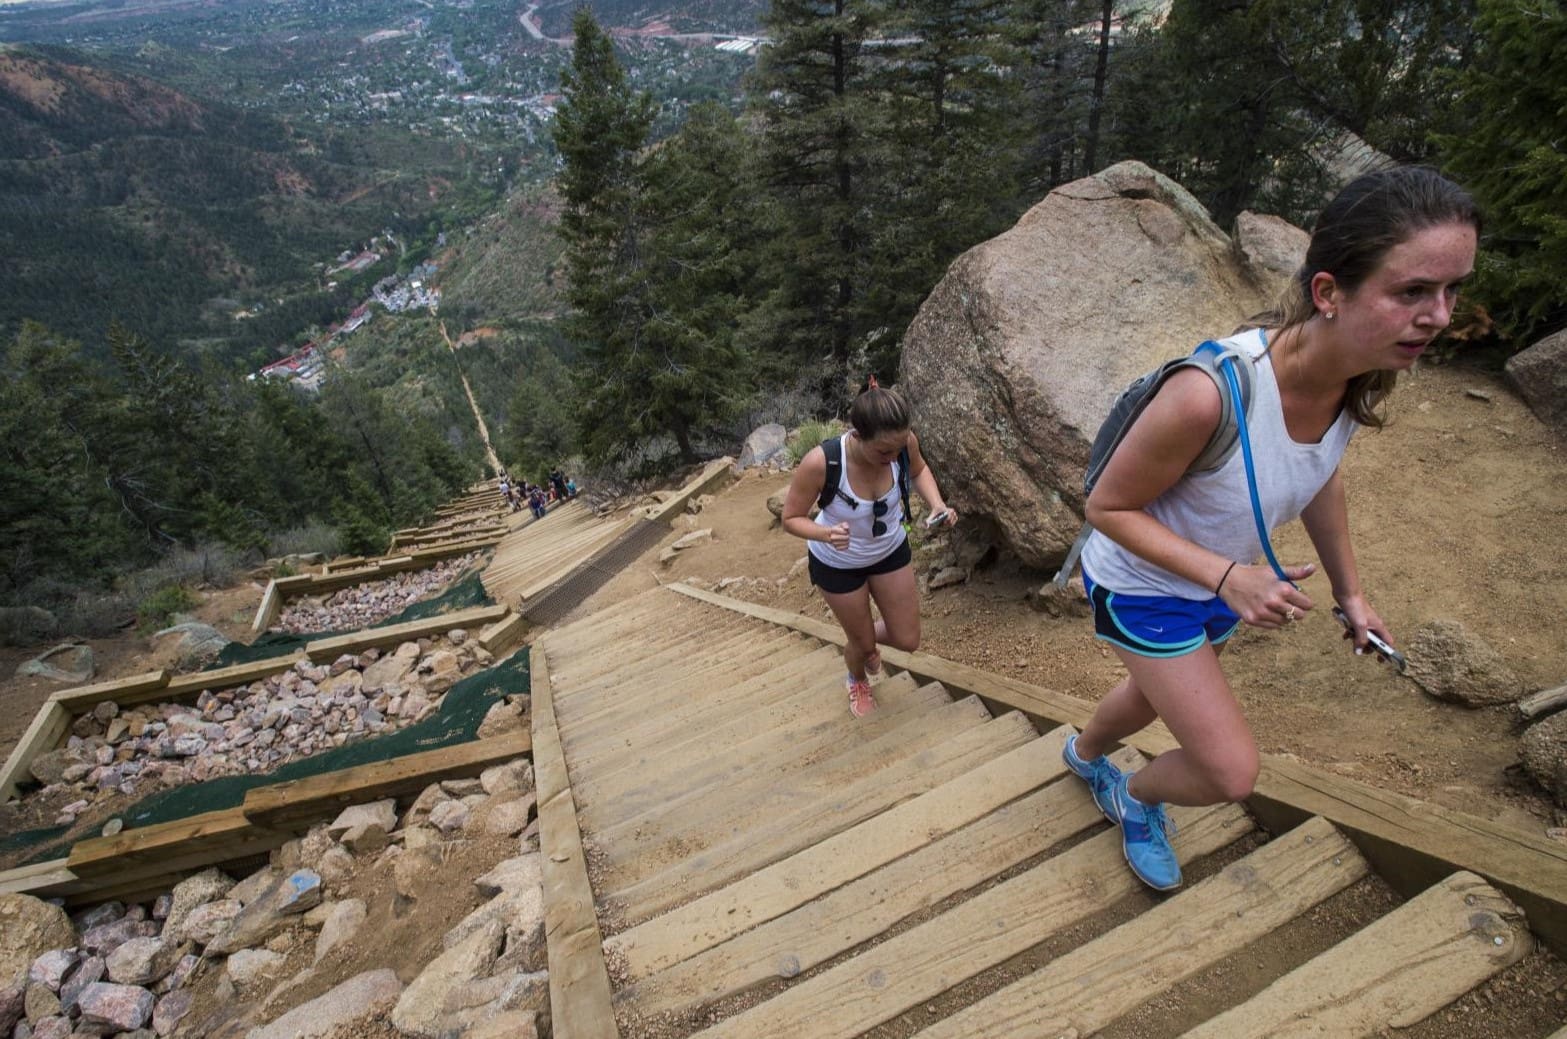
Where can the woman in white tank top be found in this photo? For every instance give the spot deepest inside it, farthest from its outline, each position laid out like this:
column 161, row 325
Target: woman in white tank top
column 858, row 546
column 1170, row 569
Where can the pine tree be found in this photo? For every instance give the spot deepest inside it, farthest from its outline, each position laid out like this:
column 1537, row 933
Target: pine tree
column 821, row 160
column 1507, row 148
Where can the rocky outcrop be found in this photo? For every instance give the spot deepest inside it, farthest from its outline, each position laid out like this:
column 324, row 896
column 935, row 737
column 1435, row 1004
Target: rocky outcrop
column 1544, row 753
column 1539, row 374
column 1451, row 663
column 1014, row 359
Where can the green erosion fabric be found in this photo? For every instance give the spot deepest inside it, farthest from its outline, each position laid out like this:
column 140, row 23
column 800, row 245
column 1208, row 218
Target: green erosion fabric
column 469, row 591
column 455, row 721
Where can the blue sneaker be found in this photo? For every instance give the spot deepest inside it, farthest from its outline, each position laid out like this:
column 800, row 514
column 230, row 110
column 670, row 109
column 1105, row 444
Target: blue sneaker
column 1099, row 774
column 1145, row 838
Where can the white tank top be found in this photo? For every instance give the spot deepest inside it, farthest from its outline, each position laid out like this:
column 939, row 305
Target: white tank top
column 1214, row 509
column 865, row 549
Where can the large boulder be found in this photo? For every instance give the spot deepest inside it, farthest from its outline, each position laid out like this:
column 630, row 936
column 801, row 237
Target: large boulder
column 1544, row 753
column 763, row 445
column 29, row 927
column 1015, row 357
column 1539, row 374
column 1452, row 663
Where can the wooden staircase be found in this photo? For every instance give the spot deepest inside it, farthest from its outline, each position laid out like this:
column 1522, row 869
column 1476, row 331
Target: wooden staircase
column 731, row 854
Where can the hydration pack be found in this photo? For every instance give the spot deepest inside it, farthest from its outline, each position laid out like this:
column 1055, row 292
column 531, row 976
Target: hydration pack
column 832, row 447
column 1207, row 358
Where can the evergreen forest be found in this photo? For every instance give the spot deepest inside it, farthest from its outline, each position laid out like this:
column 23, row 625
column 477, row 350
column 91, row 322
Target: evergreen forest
column 645, row 246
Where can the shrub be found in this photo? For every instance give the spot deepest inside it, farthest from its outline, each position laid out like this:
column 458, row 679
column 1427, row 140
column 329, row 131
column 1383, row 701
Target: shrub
column 810, row 435
column 312, row 536
column 157, row 610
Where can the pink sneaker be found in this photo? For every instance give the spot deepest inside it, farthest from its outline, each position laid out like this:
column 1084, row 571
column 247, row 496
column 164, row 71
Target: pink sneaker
column 861, row 702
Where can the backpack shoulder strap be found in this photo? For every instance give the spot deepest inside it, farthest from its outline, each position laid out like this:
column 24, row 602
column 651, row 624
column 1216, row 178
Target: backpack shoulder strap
column 1211, row 357
column 903, row 481
column 832, row 448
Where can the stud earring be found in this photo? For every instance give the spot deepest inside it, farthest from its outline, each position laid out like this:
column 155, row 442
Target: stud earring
column 1330, row 314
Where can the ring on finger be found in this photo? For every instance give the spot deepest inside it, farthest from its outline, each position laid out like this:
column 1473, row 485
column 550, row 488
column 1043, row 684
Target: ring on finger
column 1290, row 615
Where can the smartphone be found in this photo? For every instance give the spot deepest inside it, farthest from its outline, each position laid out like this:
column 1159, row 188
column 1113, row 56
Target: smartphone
column 940, row 517
column 1383, row 650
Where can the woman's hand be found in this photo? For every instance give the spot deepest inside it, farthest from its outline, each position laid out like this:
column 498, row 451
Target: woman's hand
column 838, row 536
column 949, row 520
column 1362, row 618
column 1264, row 601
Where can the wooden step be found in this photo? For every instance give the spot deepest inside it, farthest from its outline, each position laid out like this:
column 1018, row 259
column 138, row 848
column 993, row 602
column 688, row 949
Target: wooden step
column 1400, row 970
column 815, row 731
column 804, row 824
column 859, row 911
column 765, row 797
column 1097, row 983
column 840, row 859
column 670, row 977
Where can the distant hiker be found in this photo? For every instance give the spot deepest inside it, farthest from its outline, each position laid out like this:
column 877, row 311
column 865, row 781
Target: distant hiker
column 571, row 488
column 558, row 483
column 1171, row 566
column 537, row 503
column 859, row 549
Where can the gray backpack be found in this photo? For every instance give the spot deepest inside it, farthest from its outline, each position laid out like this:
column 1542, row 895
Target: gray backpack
column 1208, row 358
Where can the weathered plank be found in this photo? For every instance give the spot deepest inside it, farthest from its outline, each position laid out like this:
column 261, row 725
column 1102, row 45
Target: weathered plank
column 579, row 977
column 267, row 611
column 48, row 726
column 301, row 801
column 84, row 697
column 1095, row 984
column 865, row 908
column 1411, row 843
column 841, row 858
column 784, row 736
column 41, row 876
column 1543, row 702
column 814, row 819
column 223, row 833
column 739, row 809
column 182, row 686
column 1400, row 970
column 327, row 650
column 504, row 634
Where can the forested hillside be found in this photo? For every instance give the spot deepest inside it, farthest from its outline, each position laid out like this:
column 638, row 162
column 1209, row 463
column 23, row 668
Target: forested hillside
column 640, row 245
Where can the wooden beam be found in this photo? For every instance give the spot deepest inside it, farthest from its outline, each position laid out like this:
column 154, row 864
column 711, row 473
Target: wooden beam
column 31, row 879
column 715, row 472
column 182, row 686
column 82, row 697
column 50, row 723
column 1411, row 843
column 504, row 633
column 302, row 801
column 579, row 976
column 224, row 834
column 327, row 650
column 271, row 605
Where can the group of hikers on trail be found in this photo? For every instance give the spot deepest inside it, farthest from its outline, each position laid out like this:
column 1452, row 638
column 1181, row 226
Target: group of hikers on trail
column 1179, row 516
column 536, row 497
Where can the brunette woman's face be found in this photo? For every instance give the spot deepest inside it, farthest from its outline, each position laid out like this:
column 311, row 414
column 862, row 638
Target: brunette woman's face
column 883, row 448
column 1408, row 299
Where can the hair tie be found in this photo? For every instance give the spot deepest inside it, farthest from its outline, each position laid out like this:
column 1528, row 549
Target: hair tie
column 871, row 384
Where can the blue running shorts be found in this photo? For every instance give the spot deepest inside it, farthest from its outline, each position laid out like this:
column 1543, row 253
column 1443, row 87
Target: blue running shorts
column 1158, row 625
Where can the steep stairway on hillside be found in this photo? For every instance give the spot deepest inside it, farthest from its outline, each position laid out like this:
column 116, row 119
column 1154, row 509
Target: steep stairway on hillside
column 731, row 854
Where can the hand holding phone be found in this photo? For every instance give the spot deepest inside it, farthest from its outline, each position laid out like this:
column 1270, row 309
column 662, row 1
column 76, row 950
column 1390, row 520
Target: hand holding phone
column 1377, row 642
column 937, row 518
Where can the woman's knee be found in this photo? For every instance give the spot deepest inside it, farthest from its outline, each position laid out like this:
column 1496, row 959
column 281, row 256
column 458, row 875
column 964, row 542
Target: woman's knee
column 1234, row 776
column 908, row 641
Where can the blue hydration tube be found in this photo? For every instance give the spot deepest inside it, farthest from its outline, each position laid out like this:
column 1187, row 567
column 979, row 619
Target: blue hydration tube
column 1227, row 365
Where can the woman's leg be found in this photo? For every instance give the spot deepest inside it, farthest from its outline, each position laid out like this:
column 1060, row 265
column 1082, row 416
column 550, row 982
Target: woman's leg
column 853, row 611
column 1217, row 759
column 897, row 597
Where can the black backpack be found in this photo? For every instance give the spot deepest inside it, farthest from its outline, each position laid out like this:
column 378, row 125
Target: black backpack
column 1130, row 404
column 832, row 447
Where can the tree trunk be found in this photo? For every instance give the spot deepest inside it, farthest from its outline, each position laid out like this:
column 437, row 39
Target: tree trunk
column 1096, row 103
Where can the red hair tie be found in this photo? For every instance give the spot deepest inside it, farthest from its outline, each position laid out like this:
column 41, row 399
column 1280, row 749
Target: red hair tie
column 871, row 384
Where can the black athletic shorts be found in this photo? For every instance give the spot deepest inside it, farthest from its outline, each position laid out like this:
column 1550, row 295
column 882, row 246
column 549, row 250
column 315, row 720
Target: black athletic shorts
column 836, row 582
